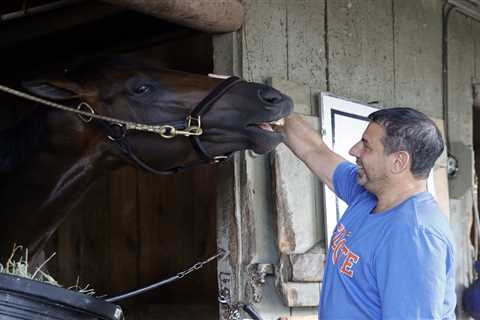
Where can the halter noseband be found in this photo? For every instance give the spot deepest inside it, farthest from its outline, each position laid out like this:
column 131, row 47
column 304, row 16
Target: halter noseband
column 190, row 127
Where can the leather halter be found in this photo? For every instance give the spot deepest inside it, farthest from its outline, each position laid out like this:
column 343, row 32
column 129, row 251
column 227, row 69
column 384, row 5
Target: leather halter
column 119, row 133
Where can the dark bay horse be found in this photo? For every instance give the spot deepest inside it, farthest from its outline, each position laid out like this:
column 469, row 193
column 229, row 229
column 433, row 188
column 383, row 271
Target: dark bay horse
column 51, row 157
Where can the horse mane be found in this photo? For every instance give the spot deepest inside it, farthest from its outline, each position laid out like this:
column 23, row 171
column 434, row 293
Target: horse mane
column 21, row 142
column 83, row 68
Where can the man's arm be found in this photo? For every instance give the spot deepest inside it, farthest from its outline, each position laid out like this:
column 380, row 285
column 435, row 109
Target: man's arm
column 308, row 146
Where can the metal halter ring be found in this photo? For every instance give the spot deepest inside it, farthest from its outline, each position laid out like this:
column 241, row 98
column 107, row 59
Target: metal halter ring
column 124, row 132
column 168, row 132
column 218, row 159
column 83, row 106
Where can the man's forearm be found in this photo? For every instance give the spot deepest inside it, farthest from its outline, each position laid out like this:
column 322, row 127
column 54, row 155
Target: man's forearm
column 308, row 146
column 300, row 137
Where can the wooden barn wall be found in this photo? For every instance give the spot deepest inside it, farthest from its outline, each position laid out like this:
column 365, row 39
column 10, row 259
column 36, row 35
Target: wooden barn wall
column 136, row 228
column 388, row 53
column 461, row 69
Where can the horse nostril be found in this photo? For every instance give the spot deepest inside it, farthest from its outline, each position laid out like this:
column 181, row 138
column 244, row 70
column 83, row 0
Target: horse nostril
column 270, row 96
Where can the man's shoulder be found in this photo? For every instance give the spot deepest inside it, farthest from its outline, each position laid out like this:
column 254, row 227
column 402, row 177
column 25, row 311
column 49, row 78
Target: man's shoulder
column 421, row 214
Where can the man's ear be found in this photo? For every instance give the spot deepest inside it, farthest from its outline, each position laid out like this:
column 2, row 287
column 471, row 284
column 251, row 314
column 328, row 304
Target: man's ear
column 401, row 161
column 52, row 90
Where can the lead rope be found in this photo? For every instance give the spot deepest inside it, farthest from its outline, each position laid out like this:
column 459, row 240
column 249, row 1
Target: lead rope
column 220, row 253
column 165, row 131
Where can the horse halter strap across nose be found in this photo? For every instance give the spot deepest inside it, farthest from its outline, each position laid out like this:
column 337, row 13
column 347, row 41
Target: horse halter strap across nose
column 190, row 127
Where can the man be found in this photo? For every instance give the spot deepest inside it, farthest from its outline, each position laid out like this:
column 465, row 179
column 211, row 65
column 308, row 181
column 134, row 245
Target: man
column 391, row 255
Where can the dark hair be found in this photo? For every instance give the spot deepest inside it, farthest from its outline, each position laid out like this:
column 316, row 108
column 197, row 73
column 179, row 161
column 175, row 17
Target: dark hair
column 409, row 130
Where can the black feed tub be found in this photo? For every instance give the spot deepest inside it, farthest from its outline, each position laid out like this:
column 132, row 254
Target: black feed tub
column 25, row 299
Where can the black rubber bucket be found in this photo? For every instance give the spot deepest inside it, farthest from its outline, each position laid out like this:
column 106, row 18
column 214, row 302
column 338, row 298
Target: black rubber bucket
column 25, row 299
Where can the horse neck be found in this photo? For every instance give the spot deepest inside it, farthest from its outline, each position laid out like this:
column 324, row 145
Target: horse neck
column 40, row 193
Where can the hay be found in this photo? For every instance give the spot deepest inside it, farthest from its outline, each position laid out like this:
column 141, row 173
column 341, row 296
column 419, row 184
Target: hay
column 20, row 268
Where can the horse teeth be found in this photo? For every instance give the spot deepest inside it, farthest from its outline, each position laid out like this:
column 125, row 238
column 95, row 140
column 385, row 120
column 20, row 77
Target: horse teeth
column 218, row 76
column 279, row 122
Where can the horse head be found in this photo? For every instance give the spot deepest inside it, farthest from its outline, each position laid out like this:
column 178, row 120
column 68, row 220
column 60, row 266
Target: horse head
column 237, row 115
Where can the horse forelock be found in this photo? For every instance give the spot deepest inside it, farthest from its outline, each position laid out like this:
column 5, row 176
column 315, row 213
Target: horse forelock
column 20, row 143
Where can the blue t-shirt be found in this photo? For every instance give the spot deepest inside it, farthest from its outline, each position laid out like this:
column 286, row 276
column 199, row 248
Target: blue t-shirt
column 396, row 264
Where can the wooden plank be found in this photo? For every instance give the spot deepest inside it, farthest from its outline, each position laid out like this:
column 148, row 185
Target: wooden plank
column 203, row 218
column 418, row 58
column 308, row 266
column 123, row 240
column 296, row 200
column 476, row 31
column 81, row 239
column 214, row 16
column 306, row 42
column 264, row 40
column 299, row 93
column 303, row 314
column 300, row 294
column 460, row 73
column 161, row 252
column 360, row 44
column 177, row 311
column 460, row 131
column 177, row 223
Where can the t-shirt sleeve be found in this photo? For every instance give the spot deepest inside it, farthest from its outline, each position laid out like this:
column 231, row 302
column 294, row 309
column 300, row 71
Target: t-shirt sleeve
column 345, row 182
column 411, row 271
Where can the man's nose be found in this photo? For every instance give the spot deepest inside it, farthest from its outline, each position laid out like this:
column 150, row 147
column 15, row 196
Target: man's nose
column 354, row 151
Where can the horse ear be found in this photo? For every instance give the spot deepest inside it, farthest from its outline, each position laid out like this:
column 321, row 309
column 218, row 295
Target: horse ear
column 49, row 90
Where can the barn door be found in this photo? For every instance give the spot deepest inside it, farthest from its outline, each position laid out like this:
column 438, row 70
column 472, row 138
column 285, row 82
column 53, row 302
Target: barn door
column 269, row 220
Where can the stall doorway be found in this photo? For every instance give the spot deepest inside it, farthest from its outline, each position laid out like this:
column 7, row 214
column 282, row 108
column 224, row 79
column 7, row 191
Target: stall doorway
column 132, row 228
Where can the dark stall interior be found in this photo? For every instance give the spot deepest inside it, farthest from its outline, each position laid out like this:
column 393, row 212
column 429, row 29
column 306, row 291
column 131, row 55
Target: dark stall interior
column 133, row 228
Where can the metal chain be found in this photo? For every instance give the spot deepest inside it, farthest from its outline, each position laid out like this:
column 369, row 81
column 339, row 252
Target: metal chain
column 232, row 312
column 200, row 264
column 165, row 131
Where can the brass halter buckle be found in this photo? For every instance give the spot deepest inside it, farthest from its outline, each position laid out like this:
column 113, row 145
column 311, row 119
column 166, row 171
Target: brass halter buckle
column 193, row 129
column 194, row 126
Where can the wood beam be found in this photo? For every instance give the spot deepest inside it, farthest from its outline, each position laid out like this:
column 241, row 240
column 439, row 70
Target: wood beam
column 213, row 16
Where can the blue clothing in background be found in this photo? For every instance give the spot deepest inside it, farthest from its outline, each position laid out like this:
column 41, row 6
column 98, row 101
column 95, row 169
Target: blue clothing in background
column 396, row 264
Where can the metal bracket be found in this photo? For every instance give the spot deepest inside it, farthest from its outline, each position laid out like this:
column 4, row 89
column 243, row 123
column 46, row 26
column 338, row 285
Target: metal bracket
column 258, row 272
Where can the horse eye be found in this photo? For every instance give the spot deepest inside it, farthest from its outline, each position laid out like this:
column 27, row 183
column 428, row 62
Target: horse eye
column 142, row 89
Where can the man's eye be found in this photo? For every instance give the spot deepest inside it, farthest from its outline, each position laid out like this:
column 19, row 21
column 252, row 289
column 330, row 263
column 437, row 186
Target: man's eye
column 142, row 89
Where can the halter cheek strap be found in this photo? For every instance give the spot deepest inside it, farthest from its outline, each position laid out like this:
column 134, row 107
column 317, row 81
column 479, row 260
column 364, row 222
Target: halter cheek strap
column 203, row 107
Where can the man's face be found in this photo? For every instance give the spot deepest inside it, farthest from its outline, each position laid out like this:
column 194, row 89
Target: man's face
column 374, row 165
